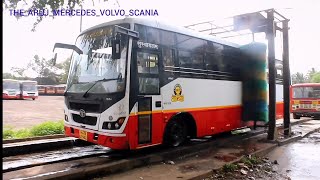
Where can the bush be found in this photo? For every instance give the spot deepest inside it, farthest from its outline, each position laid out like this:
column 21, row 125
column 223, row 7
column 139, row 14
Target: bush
column 229, row 167
column 8, row 133
column 48, row 128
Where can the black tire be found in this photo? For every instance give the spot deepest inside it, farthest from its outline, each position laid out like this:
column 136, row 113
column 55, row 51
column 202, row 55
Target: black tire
column 176, row 133
column 33, row 98
column 295, row 116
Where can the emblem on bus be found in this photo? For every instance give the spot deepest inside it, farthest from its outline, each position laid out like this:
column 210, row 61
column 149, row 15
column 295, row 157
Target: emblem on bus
column 82, row 113
column 177, row 96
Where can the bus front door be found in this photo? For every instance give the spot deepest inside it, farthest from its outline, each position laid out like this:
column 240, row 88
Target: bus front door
column 149, row 99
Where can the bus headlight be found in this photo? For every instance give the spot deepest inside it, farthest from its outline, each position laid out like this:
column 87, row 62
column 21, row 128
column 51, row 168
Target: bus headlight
column 113, row 125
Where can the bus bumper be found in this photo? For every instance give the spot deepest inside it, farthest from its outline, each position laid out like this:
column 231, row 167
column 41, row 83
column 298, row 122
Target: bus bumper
column 307, row 114
column 30, row 97
column 113, row 142
column 6, row 96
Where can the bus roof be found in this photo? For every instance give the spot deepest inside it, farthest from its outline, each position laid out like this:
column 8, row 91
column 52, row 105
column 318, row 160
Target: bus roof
column 10, row 80
column 306, row 84
column 163, row 26
column 28, row 81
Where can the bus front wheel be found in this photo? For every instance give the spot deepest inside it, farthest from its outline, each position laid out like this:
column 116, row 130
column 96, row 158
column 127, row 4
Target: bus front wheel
column 295, row 116
column 176, row 133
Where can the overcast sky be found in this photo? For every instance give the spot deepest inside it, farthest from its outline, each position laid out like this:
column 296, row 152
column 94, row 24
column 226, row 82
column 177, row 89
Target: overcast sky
column 20, row 44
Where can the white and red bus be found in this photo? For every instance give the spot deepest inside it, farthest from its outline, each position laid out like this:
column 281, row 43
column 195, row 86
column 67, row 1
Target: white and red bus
column 29, row 89
column 305, row 100
column 135, row 83
column 11, row 89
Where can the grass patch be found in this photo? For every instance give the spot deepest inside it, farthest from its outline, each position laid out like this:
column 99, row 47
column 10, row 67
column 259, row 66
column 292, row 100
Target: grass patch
column 251, row 161
column 46, row 128
column 229, row 167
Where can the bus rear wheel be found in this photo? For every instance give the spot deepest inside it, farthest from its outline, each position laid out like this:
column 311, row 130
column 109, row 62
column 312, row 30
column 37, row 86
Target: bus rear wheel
column 295, row 116
column 176, row 133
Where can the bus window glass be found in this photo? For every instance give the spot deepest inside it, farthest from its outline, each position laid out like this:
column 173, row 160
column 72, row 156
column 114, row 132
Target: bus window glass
column 147, row 63
column 189, row 43
column 185, row 59
column 167, row 38
column 153, row 35
column 197, row 61
column 142, row 32
column 306, row 92
column 148, row 85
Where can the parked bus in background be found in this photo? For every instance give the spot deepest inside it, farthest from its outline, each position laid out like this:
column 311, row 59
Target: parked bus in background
column 50, row 90
column 11, row 89
column 41, row 89
column 29, row 89
column 135, row 83
column 305, row 100
column 60, row 89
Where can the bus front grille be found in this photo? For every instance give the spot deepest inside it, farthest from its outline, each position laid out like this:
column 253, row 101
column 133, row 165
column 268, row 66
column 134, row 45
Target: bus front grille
column 86, row 107
column 89, row 120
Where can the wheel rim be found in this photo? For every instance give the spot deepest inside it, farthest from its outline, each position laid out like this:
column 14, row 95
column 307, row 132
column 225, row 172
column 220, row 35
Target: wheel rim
column 177, row 134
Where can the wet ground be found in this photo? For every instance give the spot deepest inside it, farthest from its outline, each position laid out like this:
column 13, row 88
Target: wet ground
column 26, row 113
column 301, row 159
column 22, row 161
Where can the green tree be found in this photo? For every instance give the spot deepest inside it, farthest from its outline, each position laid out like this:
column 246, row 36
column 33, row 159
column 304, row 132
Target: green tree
column 311, row 73
column 18, row 70
column 8, row 76
column 315, row 78
column 44, row 70
column 299, row 78
column 43, row 4
column 65, row 65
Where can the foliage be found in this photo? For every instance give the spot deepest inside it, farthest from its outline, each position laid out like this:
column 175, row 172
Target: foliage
column 315, row 78
column 46, row 128
column 298, row 78
column 229, row 167
column 251, row 161
column 43, row 4
column 8, row 133
column 65, row 65
column 8, row 76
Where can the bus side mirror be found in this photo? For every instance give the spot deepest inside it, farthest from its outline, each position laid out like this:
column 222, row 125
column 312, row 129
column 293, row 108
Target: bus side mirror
column 116, row 54
column 54, row 59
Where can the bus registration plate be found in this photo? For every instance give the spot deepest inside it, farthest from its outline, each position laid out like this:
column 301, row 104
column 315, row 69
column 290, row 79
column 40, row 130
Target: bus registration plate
column 83, row 135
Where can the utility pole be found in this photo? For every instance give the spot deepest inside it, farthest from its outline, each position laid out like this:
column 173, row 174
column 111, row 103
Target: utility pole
column 272, row 75
column 286, row 78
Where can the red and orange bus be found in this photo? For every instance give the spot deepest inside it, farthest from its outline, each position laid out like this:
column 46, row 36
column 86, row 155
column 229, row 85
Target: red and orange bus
column 134, row 83
column 305, row 100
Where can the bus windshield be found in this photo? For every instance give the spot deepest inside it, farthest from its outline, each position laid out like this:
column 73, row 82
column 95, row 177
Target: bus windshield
column 11, row 85
column 306, row 92
column 95, row 70
column 29, row 86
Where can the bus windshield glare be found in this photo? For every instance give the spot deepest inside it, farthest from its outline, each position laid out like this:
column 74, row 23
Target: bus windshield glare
column 306, row 92
column 95, row 70
column 11, row 85
column 29, row 86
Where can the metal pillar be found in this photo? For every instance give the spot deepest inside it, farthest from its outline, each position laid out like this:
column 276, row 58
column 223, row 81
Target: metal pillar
column 286, row 78
column 272, row 76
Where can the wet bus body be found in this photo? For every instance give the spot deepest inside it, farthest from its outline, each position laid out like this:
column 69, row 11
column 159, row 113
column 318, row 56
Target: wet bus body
column 166, row 85
column 305, row 100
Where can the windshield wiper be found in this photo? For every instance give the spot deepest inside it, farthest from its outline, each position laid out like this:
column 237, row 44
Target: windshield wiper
column 101, row 80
